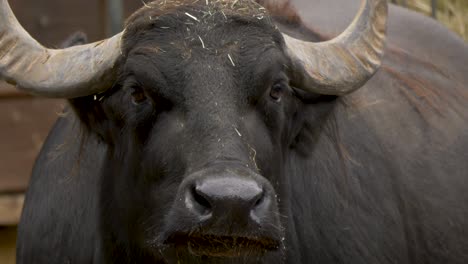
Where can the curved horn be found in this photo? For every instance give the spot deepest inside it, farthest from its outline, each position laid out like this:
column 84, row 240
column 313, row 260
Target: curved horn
column 343, row 64
column 67, row 73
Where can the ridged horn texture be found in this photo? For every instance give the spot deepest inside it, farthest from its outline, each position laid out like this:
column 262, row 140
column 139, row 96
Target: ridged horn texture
column 345, row 63
column 65, row 73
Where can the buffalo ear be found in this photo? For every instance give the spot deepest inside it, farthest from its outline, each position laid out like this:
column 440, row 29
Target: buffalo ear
column 92, row 115
column 315, row 110
column 88, row 109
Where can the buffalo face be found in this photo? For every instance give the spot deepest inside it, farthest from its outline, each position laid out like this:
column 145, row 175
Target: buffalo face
column 198, row 125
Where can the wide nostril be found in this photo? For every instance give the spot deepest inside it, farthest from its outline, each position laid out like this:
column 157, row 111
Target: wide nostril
column 261, row 207
column 201, row 198
column 198, row 202
column 259, row 199
column 228, row 197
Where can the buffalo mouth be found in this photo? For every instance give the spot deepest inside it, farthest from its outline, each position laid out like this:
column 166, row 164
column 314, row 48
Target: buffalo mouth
column 223, row 246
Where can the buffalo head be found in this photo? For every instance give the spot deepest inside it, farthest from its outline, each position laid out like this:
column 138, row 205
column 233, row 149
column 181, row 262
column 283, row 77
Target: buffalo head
column 198, row 104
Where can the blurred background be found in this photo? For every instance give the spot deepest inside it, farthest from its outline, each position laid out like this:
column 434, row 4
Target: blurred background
column 25, row 120
column 452, row 13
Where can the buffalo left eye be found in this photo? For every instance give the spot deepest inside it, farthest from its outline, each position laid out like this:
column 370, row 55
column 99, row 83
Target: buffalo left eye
column 138, row 95
column 277, row 91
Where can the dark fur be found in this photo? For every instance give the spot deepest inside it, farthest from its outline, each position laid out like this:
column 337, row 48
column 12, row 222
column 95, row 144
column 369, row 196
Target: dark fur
column 378, row 176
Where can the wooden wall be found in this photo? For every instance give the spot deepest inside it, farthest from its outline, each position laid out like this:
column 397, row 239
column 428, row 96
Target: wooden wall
column 26, row 120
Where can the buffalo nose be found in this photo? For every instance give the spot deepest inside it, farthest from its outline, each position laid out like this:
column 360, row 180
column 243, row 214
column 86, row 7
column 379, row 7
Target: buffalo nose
column 229, row 198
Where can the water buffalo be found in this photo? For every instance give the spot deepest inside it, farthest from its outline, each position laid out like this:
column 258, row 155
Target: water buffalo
column 219, row 132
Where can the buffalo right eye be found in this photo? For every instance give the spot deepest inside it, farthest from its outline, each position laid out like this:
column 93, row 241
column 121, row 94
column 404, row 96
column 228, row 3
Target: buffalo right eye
column 277, row 91
column 138, row 95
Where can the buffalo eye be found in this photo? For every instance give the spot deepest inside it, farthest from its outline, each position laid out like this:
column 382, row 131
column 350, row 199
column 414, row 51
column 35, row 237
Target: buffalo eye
column 138, row 95
column 277, row 91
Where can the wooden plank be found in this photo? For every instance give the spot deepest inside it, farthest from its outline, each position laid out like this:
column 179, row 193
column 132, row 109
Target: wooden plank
column 11, row 206
column 25, row 124
column 26, row 120
column 8, row 91
column 52, row 21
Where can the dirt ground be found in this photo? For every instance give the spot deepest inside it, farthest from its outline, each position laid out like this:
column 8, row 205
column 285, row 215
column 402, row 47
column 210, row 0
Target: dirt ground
column 7, row 245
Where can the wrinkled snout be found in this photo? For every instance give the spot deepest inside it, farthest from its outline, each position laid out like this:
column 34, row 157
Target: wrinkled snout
column 228, row 198
column 224, row 211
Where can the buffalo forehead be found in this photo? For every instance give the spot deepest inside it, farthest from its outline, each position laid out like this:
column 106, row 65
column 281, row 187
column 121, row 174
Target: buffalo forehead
column 210, row 51
column 242, row 7
column 188, row 23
